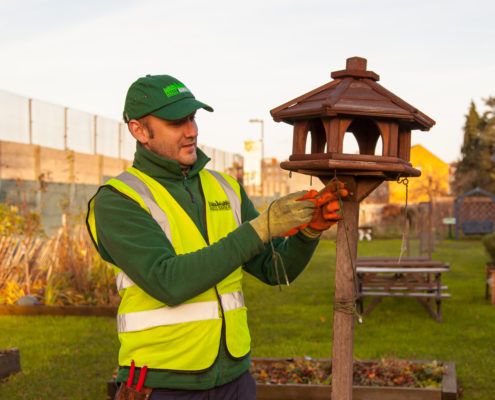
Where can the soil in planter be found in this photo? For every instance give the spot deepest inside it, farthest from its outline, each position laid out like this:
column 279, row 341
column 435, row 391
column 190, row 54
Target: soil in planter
column 385, row 372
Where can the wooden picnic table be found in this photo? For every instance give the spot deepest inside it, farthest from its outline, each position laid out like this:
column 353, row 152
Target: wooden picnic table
column 393, row 259
column 420, row 278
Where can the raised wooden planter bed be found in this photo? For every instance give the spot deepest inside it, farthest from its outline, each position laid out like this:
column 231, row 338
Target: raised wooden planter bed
column 448, row 389
column 10, row 361
column 82, row 311
column 323, row 392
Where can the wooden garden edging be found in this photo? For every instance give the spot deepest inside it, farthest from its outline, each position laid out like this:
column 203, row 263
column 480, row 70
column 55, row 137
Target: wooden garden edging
column 323, row 392
column 10, row 361
column 82, row 311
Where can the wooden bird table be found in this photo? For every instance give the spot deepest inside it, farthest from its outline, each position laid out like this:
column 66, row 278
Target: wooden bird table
column 352, row 103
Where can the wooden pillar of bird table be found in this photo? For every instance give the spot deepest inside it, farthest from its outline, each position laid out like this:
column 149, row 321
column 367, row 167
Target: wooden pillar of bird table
column 353, row 102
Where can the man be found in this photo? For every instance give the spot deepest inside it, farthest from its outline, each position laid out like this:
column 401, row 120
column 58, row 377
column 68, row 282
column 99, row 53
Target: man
column 180, row 237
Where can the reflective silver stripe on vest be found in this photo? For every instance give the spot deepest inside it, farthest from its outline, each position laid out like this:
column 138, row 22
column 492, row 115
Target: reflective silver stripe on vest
column 201, row 311
column 140, row 320
column 231, row 301
column 140, row 188
column 123, row 281
column 235, row 202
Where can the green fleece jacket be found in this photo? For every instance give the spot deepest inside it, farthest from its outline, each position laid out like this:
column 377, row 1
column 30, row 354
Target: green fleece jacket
column 131, row 239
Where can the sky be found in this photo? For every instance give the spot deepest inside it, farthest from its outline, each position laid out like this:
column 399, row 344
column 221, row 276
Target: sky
column 246, row 58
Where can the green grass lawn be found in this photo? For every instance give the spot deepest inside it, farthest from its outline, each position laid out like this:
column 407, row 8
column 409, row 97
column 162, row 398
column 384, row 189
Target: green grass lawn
column 61, row 357
column 73, row 357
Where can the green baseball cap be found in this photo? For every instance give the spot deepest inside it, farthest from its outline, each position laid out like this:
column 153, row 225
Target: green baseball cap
column 162, row 96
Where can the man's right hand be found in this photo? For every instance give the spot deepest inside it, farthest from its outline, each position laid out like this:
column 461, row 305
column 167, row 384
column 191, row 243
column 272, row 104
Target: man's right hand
column 283, row 214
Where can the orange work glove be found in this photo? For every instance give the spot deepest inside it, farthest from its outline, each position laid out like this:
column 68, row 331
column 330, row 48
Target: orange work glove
column 326, row 209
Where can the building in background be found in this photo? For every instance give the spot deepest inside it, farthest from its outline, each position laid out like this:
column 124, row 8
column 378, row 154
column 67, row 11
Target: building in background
column 428, row 196
column 434, row 181
column 252, row 169
column 224, row 161
column 267, row 181
column 264, row 182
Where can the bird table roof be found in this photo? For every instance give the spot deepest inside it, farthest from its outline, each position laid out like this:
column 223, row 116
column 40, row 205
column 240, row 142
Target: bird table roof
column 354, row 91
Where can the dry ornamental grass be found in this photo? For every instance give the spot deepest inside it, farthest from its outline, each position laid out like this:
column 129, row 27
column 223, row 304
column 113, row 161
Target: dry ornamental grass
column 64, row 269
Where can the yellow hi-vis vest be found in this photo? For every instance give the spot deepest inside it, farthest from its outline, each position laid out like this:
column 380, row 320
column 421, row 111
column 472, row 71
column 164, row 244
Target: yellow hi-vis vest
column 184, row 337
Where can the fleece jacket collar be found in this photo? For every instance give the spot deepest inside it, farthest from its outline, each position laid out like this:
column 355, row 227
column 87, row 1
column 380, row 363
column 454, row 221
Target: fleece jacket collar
column 159, row 167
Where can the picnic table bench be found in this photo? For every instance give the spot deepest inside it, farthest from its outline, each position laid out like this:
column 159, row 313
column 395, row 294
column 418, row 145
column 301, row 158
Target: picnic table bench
column 416, row 277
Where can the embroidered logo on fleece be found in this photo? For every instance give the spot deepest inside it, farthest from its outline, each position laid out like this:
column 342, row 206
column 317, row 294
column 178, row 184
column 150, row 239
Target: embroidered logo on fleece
column 219, row 205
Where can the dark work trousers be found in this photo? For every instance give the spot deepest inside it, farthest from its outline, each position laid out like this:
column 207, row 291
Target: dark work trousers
column 243, row 388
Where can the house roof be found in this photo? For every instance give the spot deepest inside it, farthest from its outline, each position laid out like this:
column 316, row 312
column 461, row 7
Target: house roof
column 354, row 91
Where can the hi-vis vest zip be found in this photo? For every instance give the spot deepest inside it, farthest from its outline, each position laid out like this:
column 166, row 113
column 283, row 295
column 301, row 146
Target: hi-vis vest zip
column 184, row 337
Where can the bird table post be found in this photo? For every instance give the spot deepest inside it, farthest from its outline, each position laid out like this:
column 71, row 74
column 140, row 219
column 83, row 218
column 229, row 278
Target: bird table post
column 352, row 103
column 345, row 289
column 343, row 321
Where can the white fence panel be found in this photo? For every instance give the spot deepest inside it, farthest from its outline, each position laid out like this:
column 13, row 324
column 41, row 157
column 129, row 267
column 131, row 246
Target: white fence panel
column 37, row 122
column 107, row 137
column 48, row 124
column 14, row 118
column 80, row 133
column 128, row 143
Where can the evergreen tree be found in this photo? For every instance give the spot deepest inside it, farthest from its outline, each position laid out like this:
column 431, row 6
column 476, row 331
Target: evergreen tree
column 488, row 135
column 475, row 168
column 468, row 165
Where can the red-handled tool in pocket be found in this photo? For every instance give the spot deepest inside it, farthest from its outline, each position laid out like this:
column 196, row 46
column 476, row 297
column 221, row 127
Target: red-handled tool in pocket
column 128, row 391
column 130, row 380
column 142, row 375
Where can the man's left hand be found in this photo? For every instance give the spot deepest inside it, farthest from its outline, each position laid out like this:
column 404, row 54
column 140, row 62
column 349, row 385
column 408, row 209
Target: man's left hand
column 326, row 209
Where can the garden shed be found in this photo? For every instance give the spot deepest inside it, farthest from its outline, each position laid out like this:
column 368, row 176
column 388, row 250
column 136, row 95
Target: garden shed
column 475, row 213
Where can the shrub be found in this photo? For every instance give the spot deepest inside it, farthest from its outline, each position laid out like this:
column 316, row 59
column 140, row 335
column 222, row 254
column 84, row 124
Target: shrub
column 489, row 244
column 14, row 222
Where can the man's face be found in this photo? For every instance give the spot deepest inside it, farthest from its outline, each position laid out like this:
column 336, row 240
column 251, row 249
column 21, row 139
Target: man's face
column 175, row 140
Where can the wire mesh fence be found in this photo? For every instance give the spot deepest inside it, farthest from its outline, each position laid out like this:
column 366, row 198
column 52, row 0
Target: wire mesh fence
column 32, row 121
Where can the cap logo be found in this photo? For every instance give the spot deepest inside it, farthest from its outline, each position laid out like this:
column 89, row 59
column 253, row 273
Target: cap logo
column 175, row 89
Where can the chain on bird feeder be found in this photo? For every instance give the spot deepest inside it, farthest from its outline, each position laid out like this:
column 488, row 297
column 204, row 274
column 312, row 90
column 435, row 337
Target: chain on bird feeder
column 403, row 246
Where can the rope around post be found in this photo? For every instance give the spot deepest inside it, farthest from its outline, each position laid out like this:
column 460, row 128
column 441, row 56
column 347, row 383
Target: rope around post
column 275, row 254
column 347, row 306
